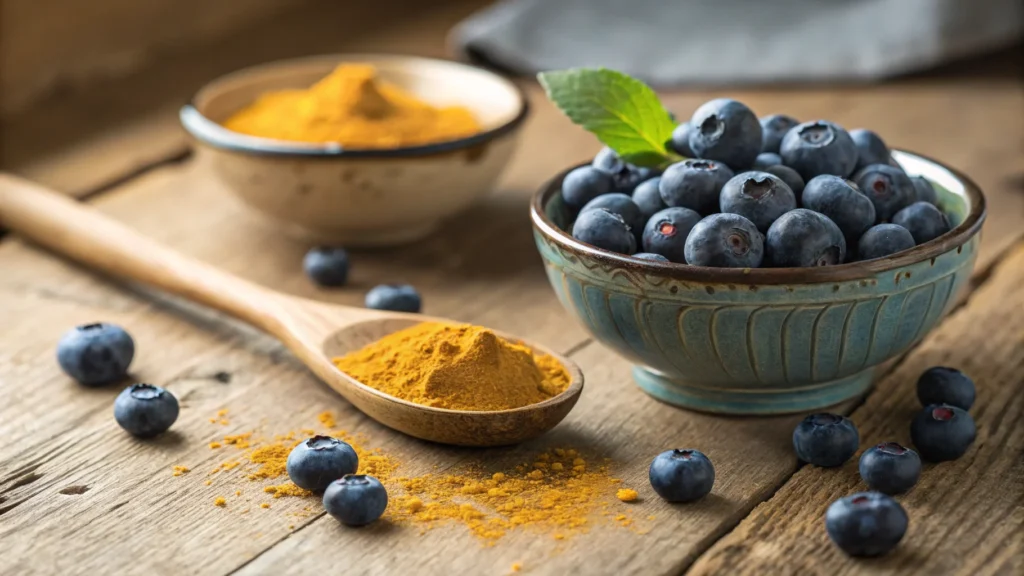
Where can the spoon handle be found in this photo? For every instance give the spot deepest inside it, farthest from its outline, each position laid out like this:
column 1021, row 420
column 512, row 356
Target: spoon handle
column 86, row 235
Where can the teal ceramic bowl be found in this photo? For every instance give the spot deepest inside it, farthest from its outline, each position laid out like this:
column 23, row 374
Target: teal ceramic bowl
column 762, row 341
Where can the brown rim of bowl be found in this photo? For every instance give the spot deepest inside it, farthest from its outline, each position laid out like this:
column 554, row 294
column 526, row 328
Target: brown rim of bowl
column 824, row 274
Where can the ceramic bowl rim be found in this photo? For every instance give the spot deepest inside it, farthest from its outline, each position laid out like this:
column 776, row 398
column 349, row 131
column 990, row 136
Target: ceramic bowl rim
column 768, row 276
column 213, row 134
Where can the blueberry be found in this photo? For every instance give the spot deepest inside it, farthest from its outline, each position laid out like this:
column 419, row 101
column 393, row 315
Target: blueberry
column 819, row 147
column 583, row 184
column 757, row 196
column 801, row 238
column 725, row 241
column 790, row 177
column 890, row 468
column 680, row 141
column 925, row 192
column 866, row 524
column 836, row 198
column 647, row 197
column 608, row 161
column 941, row 385
column 394, row 297
column 727, row 131
column 694, row 184
column 924, row 221
column 767, row 160
column 942, row 432
column 682, row 475
column 773, row 130
column 825, row 439
column 650, row 256
column 95, row 354
column 145, row 410
column 326, row 266
column 871, row 149
column 625, row 176
column 622, row 205
column 882, row 240
column 888, row 188
column 666, row 232
column 356, row 499
column 315, row 463
column 608, row 231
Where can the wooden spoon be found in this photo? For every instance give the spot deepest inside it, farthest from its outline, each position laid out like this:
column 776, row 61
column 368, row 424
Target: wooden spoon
column 314, row 331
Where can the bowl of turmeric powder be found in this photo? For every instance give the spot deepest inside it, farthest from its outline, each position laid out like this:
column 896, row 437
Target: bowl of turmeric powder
column 360, row 150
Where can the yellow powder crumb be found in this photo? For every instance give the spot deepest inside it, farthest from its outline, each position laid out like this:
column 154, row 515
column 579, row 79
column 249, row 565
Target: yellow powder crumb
column 238, row 440
column 238, row 492
column 207, row 483
column 291, row 526
column 287, row 489
column 224, row 422
column 214, row 445
column 220, row 501
column 536, row 475
column 327, row 420
column 213, row 420
column 557, row 466
column 559, row 536
column 517, row 567
column 179, row 470
column 264, row 505
column 498, row 477
column 626, row 495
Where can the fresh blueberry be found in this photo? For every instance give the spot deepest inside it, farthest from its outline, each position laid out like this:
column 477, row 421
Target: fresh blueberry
column 650, row 256
column 394, row 297
column 819, row 147
column 941, row 385
column 925, row 192
column 924, row 221
column 694, row 184
column 647, row 197
column 757, row 196
column 608, row 231
column 356, row 499
column 825, row 439
column 725, row 241
column 942, row 432
column 621, row 204
column 890, row 468
column 583, row 184
column 315, row 463
column 888, row 188
column 871, row 149
column 866, row 524
column 680, row 141
column 666, row 233
column 95, row 354
column 801, row 238
column 145, row 410
column 327, row 266
column 625, row 176
column 883, row 240
column 727, row 131
column 767, row 160
column 836, row 198
column 682, row 475
column 773, row 130
column 790, row 177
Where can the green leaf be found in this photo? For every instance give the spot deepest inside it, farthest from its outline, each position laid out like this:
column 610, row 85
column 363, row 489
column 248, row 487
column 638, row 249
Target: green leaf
column 621, row 111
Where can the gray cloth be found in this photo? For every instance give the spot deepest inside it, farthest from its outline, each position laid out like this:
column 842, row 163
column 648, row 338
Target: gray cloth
column 672, row 42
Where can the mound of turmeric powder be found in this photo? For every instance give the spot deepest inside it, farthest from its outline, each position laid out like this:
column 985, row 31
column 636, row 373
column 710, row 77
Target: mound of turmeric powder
column 354, row 108
column 460, row 367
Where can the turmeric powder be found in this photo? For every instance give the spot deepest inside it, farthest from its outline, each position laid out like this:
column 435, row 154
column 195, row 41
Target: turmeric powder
column 354, row 108
column 460, row 367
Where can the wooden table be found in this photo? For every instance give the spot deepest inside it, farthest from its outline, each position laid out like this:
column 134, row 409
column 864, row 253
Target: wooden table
column 78, row 496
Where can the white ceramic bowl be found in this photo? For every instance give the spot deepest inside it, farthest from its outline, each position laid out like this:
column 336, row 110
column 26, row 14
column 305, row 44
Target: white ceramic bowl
column 360, row 197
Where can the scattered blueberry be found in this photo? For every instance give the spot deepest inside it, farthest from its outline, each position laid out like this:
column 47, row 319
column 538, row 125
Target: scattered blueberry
column 95, row 354
column 871, row 149
column 773, row 130
column 681, row 140
column 941, row 385
column 767, row 160
column 942, row 432
column 727, row 131
column 725, row 241
column 801, row 238
column 825, row 439
column 666, row 233
column 327, row 266
column 819, row 147
column 924, row 221
column 647, row 197
column 836, row 198
column 622, row 205
column 866, row 524
column 625, row 176
column 356, row 499
column 889, row 189
column 682, row 475
column 394, row 297
column 145, row 410
column 608, row 231
column 925, row 192
column 583, row 184
column 883, row 240
column 757, row 196
column 790, row 177
column 694, row 184
column 315, row 463
column 650, row 256
column 890, row 468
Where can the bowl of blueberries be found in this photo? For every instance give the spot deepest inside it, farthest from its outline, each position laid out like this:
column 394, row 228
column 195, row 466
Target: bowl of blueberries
column 770, row 271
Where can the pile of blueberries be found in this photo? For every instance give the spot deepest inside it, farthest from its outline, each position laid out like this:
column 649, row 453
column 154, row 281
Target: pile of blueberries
column 752, row 193
column 328, row 267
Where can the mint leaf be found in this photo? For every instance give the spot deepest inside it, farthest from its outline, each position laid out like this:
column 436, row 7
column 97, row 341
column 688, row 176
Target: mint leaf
column 621, row 111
